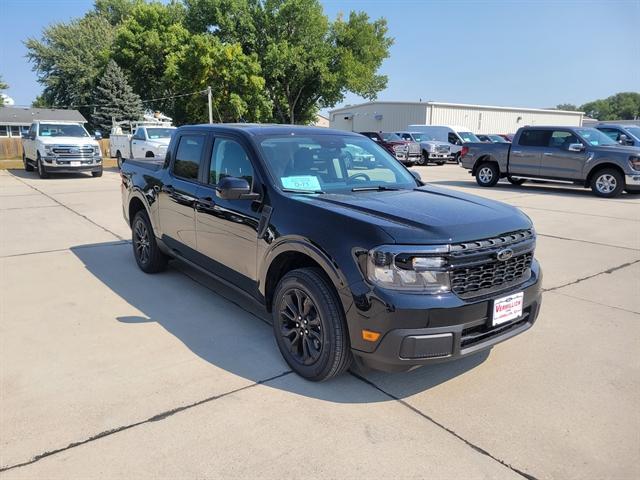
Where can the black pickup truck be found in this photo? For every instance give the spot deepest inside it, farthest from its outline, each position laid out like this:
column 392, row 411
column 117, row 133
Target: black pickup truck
column 579, row 155
column 355, row 260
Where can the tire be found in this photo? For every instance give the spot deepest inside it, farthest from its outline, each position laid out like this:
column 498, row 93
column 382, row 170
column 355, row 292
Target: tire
column 42, row 173
column 149, row 259
column 516, row 181
column 607, row 183
column 487, row 174
column 119, row 159
column 320, row 349
column 423, row 160
column 27, row 166
column 440, row 163
column 97, row 174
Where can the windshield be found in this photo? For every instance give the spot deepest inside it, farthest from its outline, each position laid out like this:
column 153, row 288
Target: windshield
column 391, row 137
column 497, row 139
column 331, row 163
column 468, row 137
column 635, row 131
column 62, row 130
column 420, row 137
column 595, row 137
column 155, row 133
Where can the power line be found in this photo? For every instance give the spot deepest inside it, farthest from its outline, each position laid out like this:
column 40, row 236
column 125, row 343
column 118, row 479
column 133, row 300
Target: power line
column 179, row 95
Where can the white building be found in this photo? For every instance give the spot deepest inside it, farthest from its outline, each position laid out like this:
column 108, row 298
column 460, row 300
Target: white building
column 394, row 116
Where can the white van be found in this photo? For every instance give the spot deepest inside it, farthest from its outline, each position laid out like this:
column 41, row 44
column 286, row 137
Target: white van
column 452, row 134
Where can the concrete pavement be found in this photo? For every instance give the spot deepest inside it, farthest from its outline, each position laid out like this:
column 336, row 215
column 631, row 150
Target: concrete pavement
column 107, row 372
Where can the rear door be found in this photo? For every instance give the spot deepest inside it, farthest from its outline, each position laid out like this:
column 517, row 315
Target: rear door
column 526, row 155
column 558, row 161
column 227, row 229
column 178, row 193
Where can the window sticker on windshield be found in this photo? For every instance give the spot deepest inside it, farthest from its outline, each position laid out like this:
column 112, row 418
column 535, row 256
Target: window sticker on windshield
column 301, row 182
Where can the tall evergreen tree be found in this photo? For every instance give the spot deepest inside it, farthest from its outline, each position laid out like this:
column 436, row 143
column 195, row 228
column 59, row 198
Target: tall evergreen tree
column 114, row 99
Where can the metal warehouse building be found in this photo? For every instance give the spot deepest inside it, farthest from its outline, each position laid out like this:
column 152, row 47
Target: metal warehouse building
column 394, row 116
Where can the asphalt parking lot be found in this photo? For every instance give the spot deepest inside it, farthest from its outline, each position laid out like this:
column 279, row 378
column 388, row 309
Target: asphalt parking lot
column 107, row 372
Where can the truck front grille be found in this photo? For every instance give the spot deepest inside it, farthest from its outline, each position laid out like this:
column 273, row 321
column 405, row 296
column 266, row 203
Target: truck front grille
column 443, row 149
column 73, row 151
column 476, row 270
column 414, row 148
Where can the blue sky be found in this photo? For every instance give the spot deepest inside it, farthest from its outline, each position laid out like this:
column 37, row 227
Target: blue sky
column 530, row 53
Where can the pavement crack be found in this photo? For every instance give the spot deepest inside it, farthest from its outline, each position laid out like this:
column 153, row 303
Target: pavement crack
column 70, row 209
column 475, row 447
column 597, row 303
column 39, row 252
column 588, row 277
column 586, row 241
column 155, row 418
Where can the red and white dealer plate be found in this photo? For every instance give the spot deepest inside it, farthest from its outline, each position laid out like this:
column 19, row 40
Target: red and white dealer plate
column 507, row 308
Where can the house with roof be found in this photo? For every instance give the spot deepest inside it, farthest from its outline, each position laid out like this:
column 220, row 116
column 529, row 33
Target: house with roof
column 15, row 121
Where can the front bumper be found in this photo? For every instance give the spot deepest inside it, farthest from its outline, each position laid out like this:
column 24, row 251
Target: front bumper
column 440, row 156
column 429, row 329
column 407, row 158
column 632, row 180
column 70, row 165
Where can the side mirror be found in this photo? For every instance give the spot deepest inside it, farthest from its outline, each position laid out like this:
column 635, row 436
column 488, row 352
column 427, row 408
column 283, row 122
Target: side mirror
column 233, row 188
column 624, row 140
column 576, row 147
column 97, row 136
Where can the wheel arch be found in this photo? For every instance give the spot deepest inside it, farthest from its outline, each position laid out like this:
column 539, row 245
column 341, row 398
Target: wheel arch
column 601, row 166
column 484, row 159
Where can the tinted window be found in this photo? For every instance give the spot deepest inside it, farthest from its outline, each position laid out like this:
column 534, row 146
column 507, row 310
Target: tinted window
column 535, row 138
column 229, row 159
column 562, row 139
column 188, row 156
column 612, row 133
column 452, row 138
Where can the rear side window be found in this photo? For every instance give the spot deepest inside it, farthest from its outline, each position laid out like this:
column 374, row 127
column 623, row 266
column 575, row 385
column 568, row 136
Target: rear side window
column 188, row 156
column 535, row 138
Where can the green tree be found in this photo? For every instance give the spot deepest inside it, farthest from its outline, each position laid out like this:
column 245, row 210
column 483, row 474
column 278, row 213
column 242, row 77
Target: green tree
column 621, row 106
column 307, row 61
column 237, row 85
column 115, row 11
column 567, row 106
column 114, row 99
column 68, row 59
column 3, row 86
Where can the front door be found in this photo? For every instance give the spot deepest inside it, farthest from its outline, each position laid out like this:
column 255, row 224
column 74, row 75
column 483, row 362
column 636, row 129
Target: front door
column 526, row 155
column 558, row 161
column 178, row 194
column 227, row 229
column 138, row 143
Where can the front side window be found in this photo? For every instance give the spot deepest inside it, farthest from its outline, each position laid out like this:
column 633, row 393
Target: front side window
column 595, row 137
column 229, row 159
column 612, row 133
column 534, row 138
column 139, row 135
column 62, row 130
column 188, row 156
column 562, row 139
column 453, row 138
column 332, row 163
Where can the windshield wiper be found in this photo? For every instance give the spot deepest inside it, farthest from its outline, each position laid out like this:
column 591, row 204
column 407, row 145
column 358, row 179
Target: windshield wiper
column 377, row 188
column 293, row 190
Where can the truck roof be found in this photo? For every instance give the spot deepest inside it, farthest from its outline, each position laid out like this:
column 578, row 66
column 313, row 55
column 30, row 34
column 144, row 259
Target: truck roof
column 267, row 129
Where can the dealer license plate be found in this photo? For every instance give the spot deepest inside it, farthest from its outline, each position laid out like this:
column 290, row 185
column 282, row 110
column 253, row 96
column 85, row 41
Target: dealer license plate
column 508, row 308
column 76, row 164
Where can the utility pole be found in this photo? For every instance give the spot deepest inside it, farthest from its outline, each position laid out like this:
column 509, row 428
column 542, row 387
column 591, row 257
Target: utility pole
column 209, row 100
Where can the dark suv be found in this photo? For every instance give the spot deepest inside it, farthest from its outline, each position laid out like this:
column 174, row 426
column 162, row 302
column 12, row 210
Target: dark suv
column 353, row 260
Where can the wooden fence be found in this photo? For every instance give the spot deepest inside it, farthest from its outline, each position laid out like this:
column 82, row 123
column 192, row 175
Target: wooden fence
column 11, row 148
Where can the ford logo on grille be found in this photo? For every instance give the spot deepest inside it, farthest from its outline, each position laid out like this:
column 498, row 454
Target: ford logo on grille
column 74, row 150
column 504, row 255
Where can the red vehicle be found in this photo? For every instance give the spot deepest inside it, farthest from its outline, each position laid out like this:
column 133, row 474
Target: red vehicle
column 405, row 151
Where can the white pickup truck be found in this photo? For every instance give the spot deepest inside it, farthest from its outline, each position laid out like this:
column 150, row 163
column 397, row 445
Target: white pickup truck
column 60, row 147
column 148, row 141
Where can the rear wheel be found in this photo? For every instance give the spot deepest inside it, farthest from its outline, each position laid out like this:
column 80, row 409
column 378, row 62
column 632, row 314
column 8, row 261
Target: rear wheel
column 607, row 183
column 119, row 159
column 516, row 181
column 42, row 173
column 309, row 325
column 487, row 174
column 145, row 248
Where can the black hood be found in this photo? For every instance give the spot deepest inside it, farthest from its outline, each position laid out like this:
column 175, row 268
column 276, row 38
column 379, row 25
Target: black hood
column 428, row 214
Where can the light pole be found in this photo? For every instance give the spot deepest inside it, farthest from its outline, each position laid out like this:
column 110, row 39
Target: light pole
column 209, row 101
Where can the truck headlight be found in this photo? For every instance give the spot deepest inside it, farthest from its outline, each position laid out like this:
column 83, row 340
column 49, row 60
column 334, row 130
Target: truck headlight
column 432, row 148
column 48, row 149
column 634, row 161
column 97, row 152
column 415, row 272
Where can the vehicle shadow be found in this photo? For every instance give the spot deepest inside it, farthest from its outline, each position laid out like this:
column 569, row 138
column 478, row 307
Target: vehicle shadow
column 530, row 187
column 231, row 332
column 21, row 173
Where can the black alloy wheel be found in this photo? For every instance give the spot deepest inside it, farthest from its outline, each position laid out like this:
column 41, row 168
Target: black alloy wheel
column 300, row 326
column 145, row 248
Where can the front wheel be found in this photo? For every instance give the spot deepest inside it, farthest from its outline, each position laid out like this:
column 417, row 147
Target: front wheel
column 607, row 183
column 42, row 173
column 119, row 160
column 145, row 248
column 97, row 173
column 27, row 166
column 309, row 325
column 423, row 160
column 487, row 175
